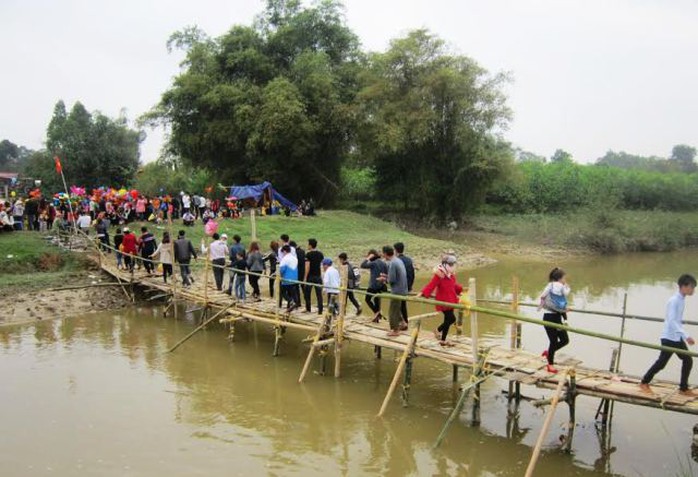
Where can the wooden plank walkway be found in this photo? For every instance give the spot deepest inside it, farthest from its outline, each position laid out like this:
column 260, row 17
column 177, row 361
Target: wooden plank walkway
column 514, row 365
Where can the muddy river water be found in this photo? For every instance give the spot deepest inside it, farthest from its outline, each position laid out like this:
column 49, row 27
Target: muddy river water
column 100, row 395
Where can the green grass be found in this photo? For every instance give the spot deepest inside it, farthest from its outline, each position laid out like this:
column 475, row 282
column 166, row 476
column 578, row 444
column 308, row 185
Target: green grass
column 336, row 231
column 28, row 261
column 599, row 231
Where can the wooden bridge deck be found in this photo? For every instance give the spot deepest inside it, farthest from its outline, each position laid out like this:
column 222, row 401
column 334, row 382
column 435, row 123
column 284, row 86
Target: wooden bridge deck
column 514, row 365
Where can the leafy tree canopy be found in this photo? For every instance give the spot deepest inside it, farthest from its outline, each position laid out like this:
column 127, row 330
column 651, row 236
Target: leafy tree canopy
column 271, row 101
column 94, row 149
column 429, row 123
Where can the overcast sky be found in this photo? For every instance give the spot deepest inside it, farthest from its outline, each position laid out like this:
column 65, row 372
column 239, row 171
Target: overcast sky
column 589, row 75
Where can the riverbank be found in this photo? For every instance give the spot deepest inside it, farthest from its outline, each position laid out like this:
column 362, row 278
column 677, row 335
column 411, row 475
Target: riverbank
column 32, row 267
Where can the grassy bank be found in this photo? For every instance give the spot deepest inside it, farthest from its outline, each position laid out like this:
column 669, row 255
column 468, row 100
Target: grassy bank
column 29, row 262
column 598, row 231
column 336, row 231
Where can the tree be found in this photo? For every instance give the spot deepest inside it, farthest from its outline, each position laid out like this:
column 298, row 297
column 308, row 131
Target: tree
column 271, row 101
column 561, row 156
column 684, row 155
column 429, row 123
column 94, row 150
column 13, row 158
column 527, row 156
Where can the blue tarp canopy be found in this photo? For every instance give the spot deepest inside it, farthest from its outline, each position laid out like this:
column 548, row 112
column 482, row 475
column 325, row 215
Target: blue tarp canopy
column 260, row 193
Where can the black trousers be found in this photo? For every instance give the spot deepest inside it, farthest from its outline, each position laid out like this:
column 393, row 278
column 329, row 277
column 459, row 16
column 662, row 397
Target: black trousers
column 403, row 311
column 288, row 293
column 218, row 272
column 166, row 271
column 352, row 299
column 449, row 319
column 686, row 363
column 254, row 282
column 308, row 291
column 374, row 301
column 558, row 338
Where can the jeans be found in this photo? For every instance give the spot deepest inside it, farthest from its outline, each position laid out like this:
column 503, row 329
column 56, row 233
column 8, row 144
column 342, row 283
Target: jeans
column 240, row 292
column 185, row 272
column 686, row 363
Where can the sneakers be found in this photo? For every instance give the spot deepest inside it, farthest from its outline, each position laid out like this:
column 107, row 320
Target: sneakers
column 358, row 311
column 544, row 353
column 549, row 368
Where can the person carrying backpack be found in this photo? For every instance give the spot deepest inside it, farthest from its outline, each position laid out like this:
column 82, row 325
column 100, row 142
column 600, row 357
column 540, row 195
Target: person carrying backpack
column 554, row 301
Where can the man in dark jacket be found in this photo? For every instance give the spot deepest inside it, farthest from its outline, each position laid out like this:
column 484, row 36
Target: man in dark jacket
column 409, row 270
column 183, row 251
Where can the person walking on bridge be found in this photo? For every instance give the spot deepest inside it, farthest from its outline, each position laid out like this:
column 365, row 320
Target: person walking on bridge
column 674, row 336
column 447, row 289
column 184, row 251
column 375, row 286
column 554, row 301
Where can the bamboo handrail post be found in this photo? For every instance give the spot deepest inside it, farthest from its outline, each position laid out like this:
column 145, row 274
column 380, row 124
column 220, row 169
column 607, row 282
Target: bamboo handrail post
column 207, row 264
column 546, row 425
column 454, row 373
column 339, row 331
column 277, row 328
column 472, row 292
column 513, row 328
column 401, row 365
column 407, row 382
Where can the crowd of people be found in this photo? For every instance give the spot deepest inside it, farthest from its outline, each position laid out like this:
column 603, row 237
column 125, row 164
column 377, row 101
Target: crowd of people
column 121, row 207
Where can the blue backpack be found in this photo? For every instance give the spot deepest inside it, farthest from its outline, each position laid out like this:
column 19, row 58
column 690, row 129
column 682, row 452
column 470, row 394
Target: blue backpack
column 558, row 302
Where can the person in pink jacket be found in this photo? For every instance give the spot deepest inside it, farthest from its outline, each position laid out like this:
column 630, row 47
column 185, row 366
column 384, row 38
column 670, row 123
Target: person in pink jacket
column 447, row 289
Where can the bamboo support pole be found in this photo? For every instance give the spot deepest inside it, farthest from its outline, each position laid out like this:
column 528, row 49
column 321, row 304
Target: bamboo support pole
column 546, row 426
column 197, row 329
column 313, row 347
column 339, row 329
column 401, row 365
column 461, row 401
column 253, row 223
column 88, row 285
column 571, row 398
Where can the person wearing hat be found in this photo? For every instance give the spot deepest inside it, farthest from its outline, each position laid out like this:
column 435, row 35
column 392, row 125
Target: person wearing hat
column 330, row 284
column 447, row 289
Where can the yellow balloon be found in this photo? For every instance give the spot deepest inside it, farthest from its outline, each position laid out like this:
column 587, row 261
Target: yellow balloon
column 13, row 193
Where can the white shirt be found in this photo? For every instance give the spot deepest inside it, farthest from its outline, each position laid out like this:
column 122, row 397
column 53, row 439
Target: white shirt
column 186, row 201
column 84, row 221
column 330, row 280
column 219, row 249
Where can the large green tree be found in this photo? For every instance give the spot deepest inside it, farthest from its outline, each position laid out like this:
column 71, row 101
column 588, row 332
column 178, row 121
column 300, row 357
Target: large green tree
column 271, row 101
column 13, row 158
column 94, row 149
column 429, row 126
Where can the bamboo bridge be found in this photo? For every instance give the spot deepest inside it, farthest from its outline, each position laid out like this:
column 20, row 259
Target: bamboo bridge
column 484, row 358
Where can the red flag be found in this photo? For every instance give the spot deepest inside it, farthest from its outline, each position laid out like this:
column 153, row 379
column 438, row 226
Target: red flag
column 59, row 169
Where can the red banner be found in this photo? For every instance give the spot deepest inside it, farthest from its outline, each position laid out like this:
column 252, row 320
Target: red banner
column 59, row 168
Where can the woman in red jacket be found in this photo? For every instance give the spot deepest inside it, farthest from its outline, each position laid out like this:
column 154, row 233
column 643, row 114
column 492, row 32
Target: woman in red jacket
column 129, row 248
column 447, row 289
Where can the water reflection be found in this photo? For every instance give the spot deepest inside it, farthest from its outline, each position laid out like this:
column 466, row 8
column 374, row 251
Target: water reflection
column 217, row 408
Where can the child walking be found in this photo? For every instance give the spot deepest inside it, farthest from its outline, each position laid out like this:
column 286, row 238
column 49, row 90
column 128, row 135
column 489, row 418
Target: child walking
column 554, row 301
column 674, row 336
column 447, row 289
